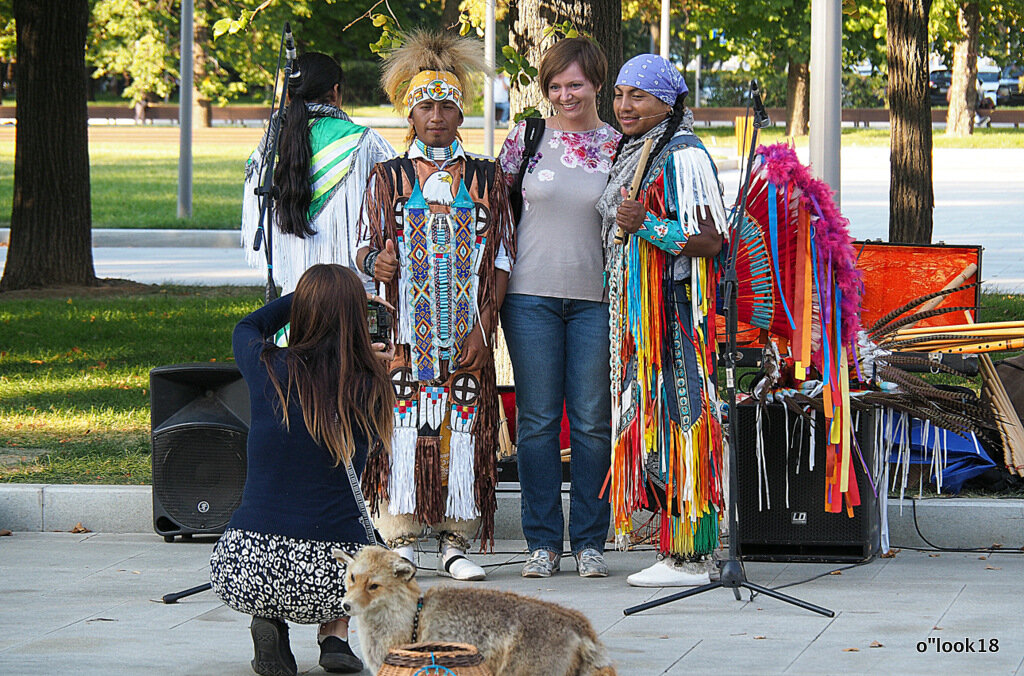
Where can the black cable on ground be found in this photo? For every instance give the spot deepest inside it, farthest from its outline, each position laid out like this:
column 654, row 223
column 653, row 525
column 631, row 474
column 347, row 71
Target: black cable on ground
column 936, row 548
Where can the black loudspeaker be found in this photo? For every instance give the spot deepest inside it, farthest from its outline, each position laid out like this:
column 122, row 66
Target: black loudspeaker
column 199, row 415
column 801, row 530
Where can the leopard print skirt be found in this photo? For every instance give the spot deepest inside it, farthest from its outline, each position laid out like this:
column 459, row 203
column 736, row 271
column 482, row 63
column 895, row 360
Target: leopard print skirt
column 279, row 577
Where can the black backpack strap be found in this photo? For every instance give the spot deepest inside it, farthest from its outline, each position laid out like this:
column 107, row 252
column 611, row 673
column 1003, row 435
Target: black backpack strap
column 531, row 141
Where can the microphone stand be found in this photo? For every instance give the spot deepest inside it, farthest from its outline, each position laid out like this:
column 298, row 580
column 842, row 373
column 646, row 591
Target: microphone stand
column 733, row 575
column 267, row 191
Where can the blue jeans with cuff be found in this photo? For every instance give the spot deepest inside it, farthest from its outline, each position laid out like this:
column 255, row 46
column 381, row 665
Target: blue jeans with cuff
column 559, row 352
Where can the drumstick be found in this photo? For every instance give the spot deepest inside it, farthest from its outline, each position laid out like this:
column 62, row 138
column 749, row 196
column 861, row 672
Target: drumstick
column 638, row 176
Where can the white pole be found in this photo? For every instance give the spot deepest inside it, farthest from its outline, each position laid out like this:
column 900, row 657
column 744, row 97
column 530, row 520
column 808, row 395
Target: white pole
column 666, row 36
column 489, row 79
column 696, row 77
column 185, row 114
column 826, row 91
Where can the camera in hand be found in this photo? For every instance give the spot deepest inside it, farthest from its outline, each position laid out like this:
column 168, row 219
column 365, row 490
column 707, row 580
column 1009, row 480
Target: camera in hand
column 379, row 321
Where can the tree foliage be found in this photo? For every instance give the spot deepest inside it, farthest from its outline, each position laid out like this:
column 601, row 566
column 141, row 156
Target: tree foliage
column 1000, row 32
column 130, row 39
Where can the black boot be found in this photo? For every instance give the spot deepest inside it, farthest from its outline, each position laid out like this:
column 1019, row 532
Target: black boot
column 272, row 654
column 336, row 656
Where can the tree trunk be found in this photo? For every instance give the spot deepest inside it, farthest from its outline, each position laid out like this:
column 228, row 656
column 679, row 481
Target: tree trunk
column 798, row 99
column 963, row 87
column 51, row 218
column 450, row 15
column 910, row 182
column 600, row 19
column 202, row 111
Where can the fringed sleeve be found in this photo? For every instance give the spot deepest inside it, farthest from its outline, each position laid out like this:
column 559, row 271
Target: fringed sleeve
column 335, row 223
column 377, row 225
column 697, row 186
column 251, row 213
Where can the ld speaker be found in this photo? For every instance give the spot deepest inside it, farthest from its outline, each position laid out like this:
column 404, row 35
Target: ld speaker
column 801, row 530
column 199, row 415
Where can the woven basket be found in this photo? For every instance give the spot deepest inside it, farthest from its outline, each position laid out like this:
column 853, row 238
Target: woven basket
column 434, row 657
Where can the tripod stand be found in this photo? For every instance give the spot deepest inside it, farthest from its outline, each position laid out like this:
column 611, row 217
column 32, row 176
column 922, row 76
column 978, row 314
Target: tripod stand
column 266, row 192
column 733, row 575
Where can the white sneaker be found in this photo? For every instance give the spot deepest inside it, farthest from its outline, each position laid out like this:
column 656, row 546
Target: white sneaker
column 452, row 562
column 670, row 573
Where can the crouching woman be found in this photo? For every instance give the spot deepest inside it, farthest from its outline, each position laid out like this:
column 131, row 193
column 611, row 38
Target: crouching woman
column 317, row 406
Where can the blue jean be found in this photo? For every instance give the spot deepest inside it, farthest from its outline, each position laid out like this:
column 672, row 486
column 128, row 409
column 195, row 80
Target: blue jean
column 559, row 352
column 501, row 112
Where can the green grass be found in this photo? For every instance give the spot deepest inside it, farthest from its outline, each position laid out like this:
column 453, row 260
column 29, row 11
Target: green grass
column 150, row 175
column 871, row 137
column 74, row 374
column 135, row 185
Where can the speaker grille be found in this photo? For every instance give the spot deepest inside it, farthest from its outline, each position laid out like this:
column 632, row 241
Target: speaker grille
column 798, row 529
column 199, row 474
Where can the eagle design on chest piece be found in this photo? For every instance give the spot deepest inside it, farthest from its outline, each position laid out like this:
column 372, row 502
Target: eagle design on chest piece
column 437, row 189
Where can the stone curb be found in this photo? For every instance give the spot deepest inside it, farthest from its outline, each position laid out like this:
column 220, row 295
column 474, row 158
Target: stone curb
column 116, row 237
column 945, row 522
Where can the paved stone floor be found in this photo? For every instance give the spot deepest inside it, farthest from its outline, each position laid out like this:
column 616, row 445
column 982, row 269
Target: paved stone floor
column 88, row 604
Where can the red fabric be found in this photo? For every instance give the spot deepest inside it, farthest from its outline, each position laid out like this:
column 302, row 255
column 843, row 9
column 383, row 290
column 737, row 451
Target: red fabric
column 895, row 274
column 508, row 402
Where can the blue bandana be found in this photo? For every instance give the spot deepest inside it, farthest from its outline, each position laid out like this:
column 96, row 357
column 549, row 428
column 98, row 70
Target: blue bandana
column 655, row 75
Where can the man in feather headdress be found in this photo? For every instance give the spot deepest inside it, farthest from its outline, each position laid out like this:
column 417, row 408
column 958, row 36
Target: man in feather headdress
column 437, row 233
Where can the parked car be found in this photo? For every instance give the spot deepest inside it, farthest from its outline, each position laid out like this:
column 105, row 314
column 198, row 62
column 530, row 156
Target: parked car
column 988, row 83
column 1011, row 87
column 938, row 87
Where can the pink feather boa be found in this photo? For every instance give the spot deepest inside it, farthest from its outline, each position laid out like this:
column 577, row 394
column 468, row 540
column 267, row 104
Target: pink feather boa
column 831, row 230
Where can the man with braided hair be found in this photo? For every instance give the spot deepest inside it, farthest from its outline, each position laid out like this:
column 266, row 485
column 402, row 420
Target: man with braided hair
column 665, row 417
column 437, row 234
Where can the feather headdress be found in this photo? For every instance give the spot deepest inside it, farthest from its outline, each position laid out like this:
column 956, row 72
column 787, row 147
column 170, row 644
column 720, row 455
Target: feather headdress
column 433, row 51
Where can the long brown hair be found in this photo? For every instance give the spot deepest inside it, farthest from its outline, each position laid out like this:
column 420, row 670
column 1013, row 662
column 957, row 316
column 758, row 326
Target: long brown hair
column 339, row 380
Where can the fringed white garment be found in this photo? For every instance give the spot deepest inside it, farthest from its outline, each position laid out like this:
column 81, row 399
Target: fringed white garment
column 402, row 483
column 336, row 225
column 693, row 168
column 461, row 502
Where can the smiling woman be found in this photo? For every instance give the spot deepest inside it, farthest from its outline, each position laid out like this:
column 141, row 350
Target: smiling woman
column 555, row 315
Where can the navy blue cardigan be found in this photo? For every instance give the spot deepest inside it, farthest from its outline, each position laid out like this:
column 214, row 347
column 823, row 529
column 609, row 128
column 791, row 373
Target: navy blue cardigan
column 292, row 487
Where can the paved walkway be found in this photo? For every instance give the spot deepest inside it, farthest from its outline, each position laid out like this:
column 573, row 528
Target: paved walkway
column 88, row 604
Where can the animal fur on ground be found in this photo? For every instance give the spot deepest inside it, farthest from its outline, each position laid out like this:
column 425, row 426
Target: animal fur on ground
column 517, row 635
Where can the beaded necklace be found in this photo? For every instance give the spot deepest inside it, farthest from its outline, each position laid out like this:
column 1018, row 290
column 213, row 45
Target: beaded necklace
column 442, row 154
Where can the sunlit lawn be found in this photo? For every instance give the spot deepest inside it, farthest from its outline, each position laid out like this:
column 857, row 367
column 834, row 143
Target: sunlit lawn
column 74, row 375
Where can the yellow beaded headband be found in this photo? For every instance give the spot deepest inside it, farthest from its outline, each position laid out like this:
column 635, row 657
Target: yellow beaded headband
column 433, row 85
